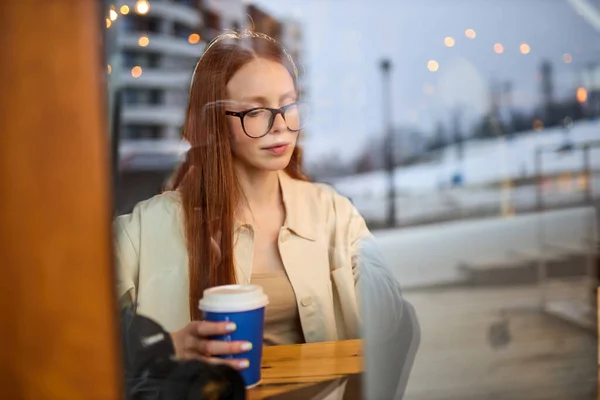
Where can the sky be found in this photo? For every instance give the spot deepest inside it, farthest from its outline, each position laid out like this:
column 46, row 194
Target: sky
column 344, row 41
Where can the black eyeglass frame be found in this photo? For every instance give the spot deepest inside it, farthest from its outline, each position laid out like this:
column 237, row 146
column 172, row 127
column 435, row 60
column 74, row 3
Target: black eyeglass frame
column 274, row 113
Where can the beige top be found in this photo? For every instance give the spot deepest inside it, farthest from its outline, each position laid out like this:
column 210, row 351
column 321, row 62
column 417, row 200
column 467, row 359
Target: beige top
column 320, row 246
column 282, row 318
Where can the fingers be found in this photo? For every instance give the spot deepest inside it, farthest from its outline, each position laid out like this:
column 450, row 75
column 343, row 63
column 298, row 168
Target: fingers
column 219, row 348
column 206, row 328
column 193, row 343
column 208, row 347
column 199, row 349
column 238, row 363
column 194, row 354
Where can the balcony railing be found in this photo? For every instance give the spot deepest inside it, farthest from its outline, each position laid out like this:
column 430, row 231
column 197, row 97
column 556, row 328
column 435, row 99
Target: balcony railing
column 160, row 43
column 153, row 115
column 157, row 78
column 172, row 11
column 139, row 155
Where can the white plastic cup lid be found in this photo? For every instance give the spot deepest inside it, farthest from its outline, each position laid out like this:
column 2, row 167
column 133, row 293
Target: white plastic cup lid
column 233, row 298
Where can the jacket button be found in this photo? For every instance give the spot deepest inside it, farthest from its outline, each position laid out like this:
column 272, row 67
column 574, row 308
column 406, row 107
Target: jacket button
column 306, row 301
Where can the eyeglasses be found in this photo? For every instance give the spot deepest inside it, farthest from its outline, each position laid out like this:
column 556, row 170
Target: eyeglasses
column 257, row 122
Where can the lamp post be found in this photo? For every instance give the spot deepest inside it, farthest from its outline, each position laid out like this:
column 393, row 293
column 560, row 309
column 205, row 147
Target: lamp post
column 388, row 142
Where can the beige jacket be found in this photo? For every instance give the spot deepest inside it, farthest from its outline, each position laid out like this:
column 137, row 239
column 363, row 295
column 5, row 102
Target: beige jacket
column 318, row 245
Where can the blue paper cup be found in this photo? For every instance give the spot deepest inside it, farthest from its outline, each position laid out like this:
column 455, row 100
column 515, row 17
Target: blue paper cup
column 245, row 306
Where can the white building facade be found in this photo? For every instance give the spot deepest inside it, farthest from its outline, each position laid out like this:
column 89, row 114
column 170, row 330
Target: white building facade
column 156, row 44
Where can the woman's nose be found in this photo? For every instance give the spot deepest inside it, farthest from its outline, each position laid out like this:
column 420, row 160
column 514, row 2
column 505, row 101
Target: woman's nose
column 279, row 124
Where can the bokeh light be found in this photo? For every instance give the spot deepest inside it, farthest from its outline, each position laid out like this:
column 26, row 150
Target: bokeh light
column 433, row 65
column 581, row 95
column 143, row 41
column 470, row 33
column 142, row 7
column 136, row 71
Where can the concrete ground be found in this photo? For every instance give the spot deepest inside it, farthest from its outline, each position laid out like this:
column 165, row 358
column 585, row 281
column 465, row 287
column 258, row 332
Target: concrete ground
column 471, row 349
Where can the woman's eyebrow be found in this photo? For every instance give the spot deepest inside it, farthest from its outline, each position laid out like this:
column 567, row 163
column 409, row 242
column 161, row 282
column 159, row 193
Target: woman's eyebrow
column 288, row 95
column 264, row 101
column 255, row 99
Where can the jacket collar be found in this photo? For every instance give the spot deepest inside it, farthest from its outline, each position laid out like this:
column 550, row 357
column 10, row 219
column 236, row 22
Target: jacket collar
column 300, row 209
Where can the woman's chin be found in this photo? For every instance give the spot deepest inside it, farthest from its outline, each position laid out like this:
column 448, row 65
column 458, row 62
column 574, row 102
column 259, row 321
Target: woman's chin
column 276, row 164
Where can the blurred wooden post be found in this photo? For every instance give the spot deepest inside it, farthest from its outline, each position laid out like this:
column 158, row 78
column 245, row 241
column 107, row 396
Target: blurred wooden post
column 58, row 336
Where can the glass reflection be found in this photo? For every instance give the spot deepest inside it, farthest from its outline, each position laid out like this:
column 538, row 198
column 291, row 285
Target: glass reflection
column 472, row 157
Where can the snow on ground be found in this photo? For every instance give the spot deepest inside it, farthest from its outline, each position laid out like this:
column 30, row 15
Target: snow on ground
column 424, row 193
column 484, row 161
column 463, row 201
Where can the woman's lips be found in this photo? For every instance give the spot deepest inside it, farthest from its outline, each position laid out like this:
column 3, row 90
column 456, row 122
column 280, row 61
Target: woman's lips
column 277, row 150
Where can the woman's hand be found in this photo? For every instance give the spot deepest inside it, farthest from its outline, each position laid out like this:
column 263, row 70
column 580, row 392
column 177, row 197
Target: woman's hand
column 193, row 342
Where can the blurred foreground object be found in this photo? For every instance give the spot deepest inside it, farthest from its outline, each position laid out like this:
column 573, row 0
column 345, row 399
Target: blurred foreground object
column 391, row 329
column 151, row 371
column 60, row 335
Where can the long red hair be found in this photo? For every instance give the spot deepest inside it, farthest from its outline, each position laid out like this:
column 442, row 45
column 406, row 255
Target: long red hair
column 206, row 180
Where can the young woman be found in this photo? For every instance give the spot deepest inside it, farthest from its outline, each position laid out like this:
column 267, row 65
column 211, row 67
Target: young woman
column 243, row 211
